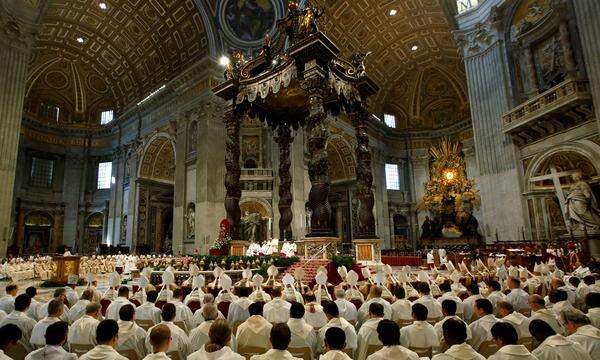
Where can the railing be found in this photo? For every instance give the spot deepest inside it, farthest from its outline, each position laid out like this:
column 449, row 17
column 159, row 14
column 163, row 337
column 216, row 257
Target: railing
column 250, row 174
column 257, row 179
column 551, row 100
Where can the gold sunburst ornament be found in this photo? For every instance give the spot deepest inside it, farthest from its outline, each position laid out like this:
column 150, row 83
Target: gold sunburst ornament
column 449, row 194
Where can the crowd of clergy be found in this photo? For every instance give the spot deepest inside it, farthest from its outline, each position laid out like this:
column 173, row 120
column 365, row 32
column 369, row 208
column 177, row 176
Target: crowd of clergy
column 488, row 312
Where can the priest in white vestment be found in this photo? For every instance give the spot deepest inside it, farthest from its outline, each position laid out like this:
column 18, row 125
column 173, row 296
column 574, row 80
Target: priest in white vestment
column 303, row 335
column 420, row 333
column 83, row 330
column 277, row 310
column 7, row 302
column 496, row 294
column 592, row 301
column 539, row 312
column 256, row 330
column 401, row 308
column 448, row 294
column 347, row 309
column 238, row 310
column 334, row 345
column 279, row 338
column 56, row 337
column 449, row 310
column 374, row 296
column 389, row 336
column 112, row 312
column 179, row 339
column 55, row 311
column 160, row 340
column 59, row 295
column 367, row 335
column 481, row 328
column 555, row 346
column 581, row 331
column 148, row 310
column 107, row 334
column 469, row 303
column 19, row 318
column 35, row 305
column 199, row 335
column 78, row 309
column 334, row 320
column 183, row 314
column 131, row 336
column 506, row 337
column 519, row 321
column 455, row 337
column 434, row 308
column 314, row 314
column 216, row 348
column 518, row 297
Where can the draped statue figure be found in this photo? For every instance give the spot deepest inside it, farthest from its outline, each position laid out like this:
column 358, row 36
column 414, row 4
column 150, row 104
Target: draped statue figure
column 251, row 222
column 581, row 205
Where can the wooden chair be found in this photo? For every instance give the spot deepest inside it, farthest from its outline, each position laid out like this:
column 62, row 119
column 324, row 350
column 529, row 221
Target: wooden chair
column 301, row 352
column 174, row 355
column 402, row 323
column 194, row 305
column 80, row 349
column 104, row 303
column 432, row 321
column 17, row 352
column 349, row 352
column 488, row 348
column 373, row 348
column 356, row 303
column 248, row 351
column 422, row 352
column 145, row 324
column 528, row 342
column 223, row 307
column 526, row 312
column 181, row 325
column 129, row 354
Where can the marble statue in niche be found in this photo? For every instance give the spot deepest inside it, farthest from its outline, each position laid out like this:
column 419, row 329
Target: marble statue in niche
column 581, row 206
column 191, row 221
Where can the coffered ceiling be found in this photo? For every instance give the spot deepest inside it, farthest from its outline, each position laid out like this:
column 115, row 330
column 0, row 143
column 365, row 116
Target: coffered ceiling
column 414, row 58
column 131, row 46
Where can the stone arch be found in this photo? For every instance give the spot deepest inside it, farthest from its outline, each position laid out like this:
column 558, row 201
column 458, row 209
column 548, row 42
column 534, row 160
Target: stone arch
column 583, row 153
column 257, row 205
column 158, row 161
column 342, row 165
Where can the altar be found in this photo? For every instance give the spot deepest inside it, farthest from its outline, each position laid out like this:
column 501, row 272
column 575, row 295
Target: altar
column 66, row 266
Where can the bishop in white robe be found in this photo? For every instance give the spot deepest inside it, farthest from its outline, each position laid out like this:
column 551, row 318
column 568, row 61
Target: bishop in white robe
column 557, row 347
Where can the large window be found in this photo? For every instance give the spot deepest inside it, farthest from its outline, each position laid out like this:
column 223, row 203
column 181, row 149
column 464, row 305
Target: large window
column 392, row 177
column 41, row 172
column 104, row 175
column 50, row 111
column 106, row 117
column 390, row 120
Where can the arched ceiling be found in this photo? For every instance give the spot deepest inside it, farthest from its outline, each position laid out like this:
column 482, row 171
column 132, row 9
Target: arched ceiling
column 412, row 84
column 133, row 46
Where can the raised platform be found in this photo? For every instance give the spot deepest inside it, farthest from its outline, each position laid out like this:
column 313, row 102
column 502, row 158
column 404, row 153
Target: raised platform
column 442, row 241
column 317, row 247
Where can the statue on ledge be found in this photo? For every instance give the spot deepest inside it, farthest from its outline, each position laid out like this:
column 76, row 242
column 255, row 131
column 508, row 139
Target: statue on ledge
column 251, row 222
column 582, row 207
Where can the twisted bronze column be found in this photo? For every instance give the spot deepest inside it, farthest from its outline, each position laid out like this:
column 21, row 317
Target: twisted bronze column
column 284, row 138
column 232, row 177
column 318, row 166
column 364, row 176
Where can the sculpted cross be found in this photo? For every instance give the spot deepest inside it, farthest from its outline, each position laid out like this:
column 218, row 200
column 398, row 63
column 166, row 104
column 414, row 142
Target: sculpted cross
column 555, row 177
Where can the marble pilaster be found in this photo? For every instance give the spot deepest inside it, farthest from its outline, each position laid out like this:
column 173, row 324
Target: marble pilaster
column 179, row 222
column 16, row 37
column 487, row 80
column 589, row 34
